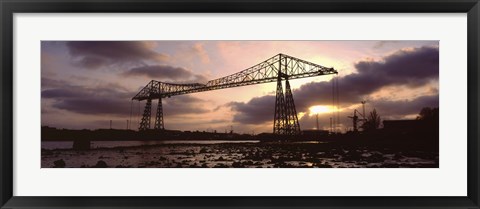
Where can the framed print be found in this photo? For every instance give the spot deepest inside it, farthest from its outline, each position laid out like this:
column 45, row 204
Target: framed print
column 195, row 104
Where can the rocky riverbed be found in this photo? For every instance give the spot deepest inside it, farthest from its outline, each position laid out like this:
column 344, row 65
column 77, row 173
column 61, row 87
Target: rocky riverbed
column 241, row 155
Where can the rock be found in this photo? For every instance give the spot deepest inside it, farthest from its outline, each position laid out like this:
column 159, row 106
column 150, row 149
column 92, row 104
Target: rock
column 375, row 158
column 237, row 164
column 220, row 165
column 59, row 164
column 101, row 164
column 397, row 156
column 323, row 166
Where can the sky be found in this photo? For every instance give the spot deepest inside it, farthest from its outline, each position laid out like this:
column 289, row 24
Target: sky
column 87, row 84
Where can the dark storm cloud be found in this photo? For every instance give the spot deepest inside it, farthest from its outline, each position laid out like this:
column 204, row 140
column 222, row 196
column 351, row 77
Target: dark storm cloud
column 52, row 83
column 95, row 106
column 165, row 72
column 409, row 68
column 405, row 107
column 107, row 99
column 64, row 93
column 257, row 111
column 184, row 104
column 93, row 62
column 412, row 68
column 160, row 71
column 69, row 91
column 95, row 54
column 111, row 99
column 405, row 67
column 122, row 106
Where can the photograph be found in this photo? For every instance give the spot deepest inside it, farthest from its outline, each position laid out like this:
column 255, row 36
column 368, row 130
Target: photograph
column 240, row 104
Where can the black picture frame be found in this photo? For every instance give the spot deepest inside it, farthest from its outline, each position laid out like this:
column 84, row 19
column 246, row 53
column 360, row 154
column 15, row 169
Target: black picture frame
column 10, row 7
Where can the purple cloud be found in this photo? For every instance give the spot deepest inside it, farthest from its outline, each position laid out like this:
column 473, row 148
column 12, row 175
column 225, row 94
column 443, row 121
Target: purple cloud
column 165, row 72
column 257, row 111
column 95, row 54
column 112, row 99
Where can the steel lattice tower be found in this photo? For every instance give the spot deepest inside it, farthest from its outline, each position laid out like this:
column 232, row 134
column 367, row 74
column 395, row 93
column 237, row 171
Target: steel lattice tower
column 145, row 123
column 279, row 121
column 292, row 124
column 285, row 121
column 159, row 116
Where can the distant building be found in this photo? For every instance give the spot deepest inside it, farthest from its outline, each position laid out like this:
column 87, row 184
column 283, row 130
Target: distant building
column 403, row 126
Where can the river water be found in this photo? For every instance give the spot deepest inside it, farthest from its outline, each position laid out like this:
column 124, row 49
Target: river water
column 52, row 145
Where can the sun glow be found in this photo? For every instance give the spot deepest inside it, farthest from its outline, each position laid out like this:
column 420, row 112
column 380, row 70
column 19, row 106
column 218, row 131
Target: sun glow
column 320, row 109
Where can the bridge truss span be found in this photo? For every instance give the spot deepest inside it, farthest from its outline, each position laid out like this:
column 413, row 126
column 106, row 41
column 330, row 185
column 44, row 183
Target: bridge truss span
column 275, row 69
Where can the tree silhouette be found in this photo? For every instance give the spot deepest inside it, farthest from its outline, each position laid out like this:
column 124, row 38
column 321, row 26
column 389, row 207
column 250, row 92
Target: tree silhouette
column 428, row 114
column 373, row 121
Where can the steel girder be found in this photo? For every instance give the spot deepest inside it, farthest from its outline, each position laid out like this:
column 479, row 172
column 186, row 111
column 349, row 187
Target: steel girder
column 264, row 72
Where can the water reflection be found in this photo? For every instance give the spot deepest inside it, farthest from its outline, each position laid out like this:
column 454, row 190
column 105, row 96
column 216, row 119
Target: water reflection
column 51, row 145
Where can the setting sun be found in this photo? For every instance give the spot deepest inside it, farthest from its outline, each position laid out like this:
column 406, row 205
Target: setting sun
column 320, row 109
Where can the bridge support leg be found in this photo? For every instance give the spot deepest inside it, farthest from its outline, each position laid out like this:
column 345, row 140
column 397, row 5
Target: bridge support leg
column 145, row 123
column 285, row 121
column 280, row 116
column 293, row 126
column 159, row 116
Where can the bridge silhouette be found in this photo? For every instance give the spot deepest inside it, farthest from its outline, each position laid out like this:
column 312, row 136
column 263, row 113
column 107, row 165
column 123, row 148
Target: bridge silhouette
column 275, row 69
